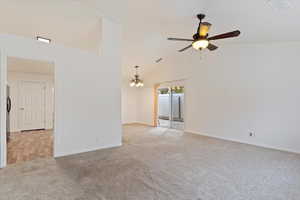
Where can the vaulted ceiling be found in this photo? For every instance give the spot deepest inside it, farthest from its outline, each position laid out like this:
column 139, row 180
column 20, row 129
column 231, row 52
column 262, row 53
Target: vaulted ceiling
column 72, row 23
column 147, row 24
column 151, row 22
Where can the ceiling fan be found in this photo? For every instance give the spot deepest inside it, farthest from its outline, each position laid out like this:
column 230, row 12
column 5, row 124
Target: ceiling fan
column 201, row 39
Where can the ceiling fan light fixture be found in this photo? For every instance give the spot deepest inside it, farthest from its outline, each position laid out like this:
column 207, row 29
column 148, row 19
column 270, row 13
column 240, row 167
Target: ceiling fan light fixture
column 204, row 28
column 200, row 44
column 201, row 39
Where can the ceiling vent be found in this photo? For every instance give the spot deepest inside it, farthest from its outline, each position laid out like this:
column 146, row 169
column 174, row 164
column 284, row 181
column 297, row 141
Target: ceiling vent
column 159, row 60
column 280, row 4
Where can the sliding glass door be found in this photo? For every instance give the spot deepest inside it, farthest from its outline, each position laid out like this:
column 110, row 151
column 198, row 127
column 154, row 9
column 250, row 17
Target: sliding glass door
column 177, row 108
column 164, row 108
column 171, row 107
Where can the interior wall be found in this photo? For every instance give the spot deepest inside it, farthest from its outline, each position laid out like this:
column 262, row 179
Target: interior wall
column 145, row 105
column 129, row 103
column 3, row 155
column 15, row 80
column 86, row 119
column 236, row 90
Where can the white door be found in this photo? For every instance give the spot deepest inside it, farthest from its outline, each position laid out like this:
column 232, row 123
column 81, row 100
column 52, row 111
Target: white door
column 32, row 105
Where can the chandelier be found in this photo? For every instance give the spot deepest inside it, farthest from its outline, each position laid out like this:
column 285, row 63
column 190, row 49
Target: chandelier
column 137, row 82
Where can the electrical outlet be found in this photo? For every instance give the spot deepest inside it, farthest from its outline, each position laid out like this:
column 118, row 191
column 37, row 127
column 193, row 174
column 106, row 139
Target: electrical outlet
column 251, row 134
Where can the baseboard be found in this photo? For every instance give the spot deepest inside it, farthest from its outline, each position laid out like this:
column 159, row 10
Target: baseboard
column 129, row 124
column 138, row 124
column 244, row 142
column 63, row 154
column 15, row 131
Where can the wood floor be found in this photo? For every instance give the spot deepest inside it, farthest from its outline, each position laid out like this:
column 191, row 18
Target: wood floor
column 26, row 146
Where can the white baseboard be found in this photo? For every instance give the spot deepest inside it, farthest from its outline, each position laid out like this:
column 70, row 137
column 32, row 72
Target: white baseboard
column 138, row 123
column 129, row 123
column 63, row 154
column 145, row 124
column 245, row 142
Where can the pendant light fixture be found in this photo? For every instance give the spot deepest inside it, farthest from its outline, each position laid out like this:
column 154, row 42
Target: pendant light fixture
column 137, row 82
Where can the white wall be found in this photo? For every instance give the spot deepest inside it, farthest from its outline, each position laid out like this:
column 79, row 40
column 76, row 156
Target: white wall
column 15, row 80
column 235, row 90
column 129, row 103
column 145, row 106
column 88, row 90
column 3, row 154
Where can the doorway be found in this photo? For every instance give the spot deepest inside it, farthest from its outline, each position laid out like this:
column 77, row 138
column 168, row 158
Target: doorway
column 171, row 107
column 30, row 117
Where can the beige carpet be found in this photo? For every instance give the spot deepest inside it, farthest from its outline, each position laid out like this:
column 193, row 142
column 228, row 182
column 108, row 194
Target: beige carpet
column 159, row 164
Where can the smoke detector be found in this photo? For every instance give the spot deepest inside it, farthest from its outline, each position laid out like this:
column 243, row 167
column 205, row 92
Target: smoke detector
column 280, row 4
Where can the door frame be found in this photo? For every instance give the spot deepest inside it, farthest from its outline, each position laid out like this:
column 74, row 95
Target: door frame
column 155, row 109
column 3, row 81
column 20, row 83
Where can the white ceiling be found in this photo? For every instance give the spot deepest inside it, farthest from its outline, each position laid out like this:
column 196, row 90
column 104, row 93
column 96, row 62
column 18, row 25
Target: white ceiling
column 30, row 66
column 258, row 20
column 72, row 23
column 147, row 24
column 150, row 23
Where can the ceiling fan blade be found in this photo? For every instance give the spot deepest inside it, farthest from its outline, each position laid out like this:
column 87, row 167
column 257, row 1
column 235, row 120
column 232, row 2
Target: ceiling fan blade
column 204, row 28
column 181, row 39
column 181, row 50
column 212, row 47
column 225, row 35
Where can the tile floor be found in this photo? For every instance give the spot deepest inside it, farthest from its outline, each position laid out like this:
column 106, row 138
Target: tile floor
column 29, row 145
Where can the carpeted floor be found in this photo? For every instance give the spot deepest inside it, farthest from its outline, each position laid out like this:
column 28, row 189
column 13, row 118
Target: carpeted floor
column 159, row 164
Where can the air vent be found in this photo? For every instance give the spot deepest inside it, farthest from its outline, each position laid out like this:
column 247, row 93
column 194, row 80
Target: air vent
column 158, row 60
column 280, row 4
